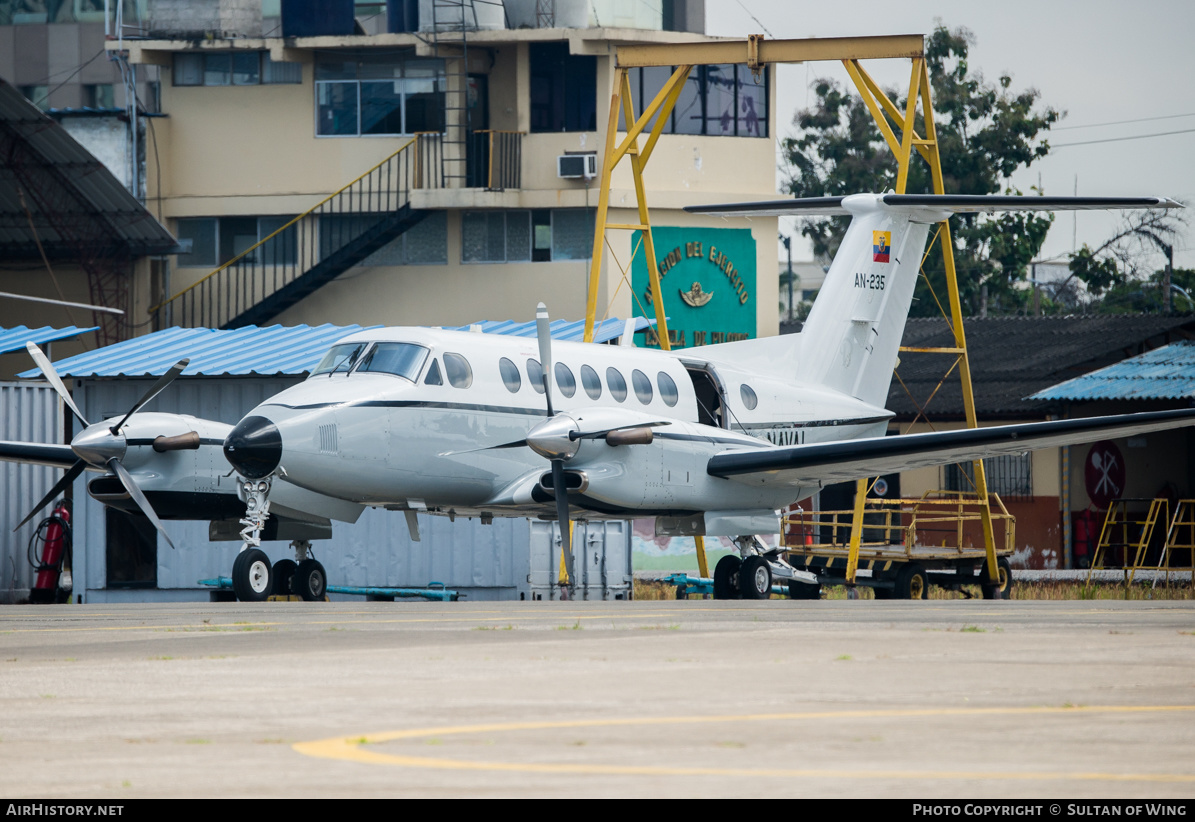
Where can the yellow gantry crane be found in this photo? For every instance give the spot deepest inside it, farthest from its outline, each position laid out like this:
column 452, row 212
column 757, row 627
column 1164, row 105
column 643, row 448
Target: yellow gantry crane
column 898, row 127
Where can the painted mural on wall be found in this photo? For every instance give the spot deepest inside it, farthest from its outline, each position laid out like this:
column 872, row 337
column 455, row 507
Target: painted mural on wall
column 707, row 279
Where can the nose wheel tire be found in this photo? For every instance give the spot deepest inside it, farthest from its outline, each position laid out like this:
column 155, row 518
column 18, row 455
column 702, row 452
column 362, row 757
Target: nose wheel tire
column 251, row 576
column 755, row 578
column 310, row 581
column 726, row 577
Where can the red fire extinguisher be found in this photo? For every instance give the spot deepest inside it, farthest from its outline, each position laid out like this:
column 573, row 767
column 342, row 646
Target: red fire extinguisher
column 49, row 551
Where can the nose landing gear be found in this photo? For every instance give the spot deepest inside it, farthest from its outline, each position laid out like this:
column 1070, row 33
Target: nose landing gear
column 750, row 575
column 252, row 576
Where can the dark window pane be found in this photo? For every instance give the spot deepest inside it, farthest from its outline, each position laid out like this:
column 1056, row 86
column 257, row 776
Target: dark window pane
column 381, row 107
column 400, row 359
column 591, row 382
column 280, row 72
column 340, row 358
column 246, row 68
column 720, row 103
column 572, row 234
column 617, row 384
column 433, row 375
column 217, row 69
column 541, row 235
column 280, row 250
column 753, row 104
column 425, row 104
column 201, row 231
column 188, row 69
column 565, row 380
column 237, row 235
column 336, row 105
column 563, row 89
column 510, row 375
column 689, row 114
column 654, row 78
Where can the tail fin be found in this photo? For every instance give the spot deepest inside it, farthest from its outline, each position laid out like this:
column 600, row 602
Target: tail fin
column 850, row 341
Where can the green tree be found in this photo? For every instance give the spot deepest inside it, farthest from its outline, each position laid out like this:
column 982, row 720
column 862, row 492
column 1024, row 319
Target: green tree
column 985, row 133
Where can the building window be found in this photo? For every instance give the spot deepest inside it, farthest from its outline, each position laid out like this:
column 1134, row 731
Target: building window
column 563, row 89
column 1010, row 476
column 233, row 68
column 99, row 95
column 38, row 95
column 216, row 240
column 719, row 100
column 425, row 243
column 361, row 93
column 541, row 235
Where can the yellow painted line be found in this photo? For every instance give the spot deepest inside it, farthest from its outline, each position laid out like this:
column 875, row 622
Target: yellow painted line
column 353, row 749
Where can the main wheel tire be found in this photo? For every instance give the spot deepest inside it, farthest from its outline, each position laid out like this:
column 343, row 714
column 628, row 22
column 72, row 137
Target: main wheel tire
column 310, row 581
column 755, row 578
column 726, row 577
column 803, row 590
column 912, row 582
column 1002, row 587
column 251, row 577
column 284, row 574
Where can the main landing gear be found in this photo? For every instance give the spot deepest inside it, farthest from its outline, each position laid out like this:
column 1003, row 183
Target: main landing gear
column 253, row 578
column 750, row 575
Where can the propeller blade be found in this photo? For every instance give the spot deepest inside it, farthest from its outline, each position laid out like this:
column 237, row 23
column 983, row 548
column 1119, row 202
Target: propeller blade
column 70, row 476
column 515, row 444
column 543, row 331
column 560, row 491
column 126, row 479
column 154, row 390
column 47, row 370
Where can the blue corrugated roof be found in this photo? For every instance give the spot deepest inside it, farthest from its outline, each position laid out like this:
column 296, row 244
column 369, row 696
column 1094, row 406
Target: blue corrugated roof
column 265, row 351
column 14, row 339
column 1166, row 373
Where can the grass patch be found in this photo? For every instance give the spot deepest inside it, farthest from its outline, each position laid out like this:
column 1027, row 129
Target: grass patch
column 972, row 629
column 576, row 626
column 843, row 658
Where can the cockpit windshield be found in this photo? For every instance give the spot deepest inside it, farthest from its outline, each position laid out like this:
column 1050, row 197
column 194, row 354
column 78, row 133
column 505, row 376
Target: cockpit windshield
column 401, row 359
column 339, row 358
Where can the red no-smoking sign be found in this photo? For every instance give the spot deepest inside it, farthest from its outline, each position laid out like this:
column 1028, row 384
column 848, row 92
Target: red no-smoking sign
column 1104, row 473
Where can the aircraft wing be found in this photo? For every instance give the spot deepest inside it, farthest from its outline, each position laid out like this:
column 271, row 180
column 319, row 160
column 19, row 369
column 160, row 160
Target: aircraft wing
column 946, row 203
column 36, row 453
column 808, row 465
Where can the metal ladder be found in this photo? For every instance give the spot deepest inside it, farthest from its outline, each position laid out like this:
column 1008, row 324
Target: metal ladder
column 451, row 23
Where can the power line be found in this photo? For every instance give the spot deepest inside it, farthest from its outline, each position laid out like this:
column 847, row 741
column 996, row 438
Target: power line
column 1122, row 139
column 1122, row 122
column 756, row 19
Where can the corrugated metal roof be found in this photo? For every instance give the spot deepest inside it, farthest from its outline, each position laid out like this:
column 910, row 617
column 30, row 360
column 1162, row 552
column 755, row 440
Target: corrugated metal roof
column 266, row 351
column 1166, row 373
column 14, row 339
column 85, row 194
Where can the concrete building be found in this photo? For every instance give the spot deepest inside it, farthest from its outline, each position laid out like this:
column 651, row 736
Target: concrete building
column 492, row 129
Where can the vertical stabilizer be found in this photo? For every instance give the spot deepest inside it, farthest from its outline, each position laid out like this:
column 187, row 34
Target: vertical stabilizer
column 850, row 340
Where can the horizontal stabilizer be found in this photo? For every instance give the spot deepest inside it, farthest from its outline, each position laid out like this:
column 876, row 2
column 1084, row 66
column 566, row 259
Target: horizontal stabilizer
column 943, row 203
column 809, row 465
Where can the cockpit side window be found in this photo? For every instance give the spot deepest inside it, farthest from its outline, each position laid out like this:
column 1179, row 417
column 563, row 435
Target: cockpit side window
column 400, row 359
column 433, row 374
column 339, row 358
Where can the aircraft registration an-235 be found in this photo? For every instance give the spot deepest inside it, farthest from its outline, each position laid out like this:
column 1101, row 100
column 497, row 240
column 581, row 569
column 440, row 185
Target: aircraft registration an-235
column 424, row 420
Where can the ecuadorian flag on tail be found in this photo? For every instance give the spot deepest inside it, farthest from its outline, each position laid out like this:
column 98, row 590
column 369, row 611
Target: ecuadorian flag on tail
column 881, row 246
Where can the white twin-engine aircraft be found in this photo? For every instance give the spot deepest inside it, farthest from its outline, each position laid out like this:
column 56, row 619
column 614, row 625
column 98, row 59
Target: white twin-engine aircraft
column 710, row 441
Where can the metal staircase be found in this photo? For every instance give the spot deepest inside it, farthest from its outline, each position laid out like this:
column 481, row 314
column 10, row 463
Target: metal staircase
column 306, row 253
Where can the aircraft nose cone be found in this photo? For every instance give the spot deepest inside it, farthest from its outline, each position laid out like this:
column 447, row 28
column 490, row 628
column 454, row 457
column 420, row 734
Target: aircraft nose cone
column 254, row 447
column 97, row 444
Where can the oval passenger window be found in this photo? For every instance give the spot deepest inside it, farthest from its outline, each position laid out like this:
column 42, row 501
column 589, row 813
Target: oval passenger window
column 749, row 398
column 616, row 384
column 535, row 375
column 668, row 392
column 642, row 386
column 565, row 380
column 457, row 369
column 510, row 375
column 591, row 382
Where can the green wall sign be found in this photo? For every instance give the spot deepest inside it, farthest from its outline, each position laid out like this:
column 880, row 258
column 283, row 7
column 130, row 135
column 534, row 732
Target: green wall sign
column 707, row 276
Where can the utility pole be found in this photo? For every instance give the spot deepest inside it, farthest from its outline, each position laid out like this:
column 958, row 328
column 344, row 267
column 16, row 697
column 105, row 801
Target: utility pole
column 1168, row 250
column 788, row 245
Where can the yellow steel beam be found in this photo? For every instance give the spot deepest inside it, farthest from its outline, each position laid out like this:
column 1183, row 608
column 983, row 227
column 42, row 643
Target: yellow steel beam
column 599, row 222
column 772, row 51
column 664, row 96
column 702, row 565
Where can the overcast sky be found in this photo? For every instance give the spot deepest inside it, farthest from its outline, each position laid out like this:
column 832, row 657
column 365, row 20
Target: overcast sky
column 1100, row 61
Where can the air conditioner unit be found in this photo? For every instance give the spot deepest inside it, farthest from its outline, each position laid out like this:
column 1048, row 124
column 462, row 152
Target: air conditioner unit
column 576, row 166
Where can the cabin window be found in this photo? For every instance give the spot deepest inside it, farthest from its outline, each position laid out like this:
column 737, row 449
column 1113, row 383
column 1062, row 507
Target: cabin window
column 617, row 384
column 339, row 358
column 668, row 392
column 460, row 375
column 591, row 382
column 565, row 380
column 433, row 374
column 642, row 386
column 749, row 398
column 535, row 374
column 510, row 375
column 400, row 359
